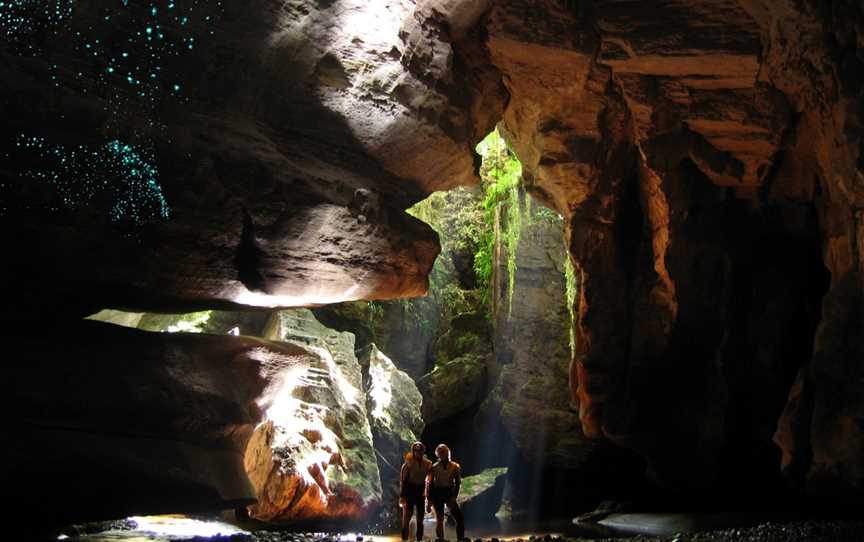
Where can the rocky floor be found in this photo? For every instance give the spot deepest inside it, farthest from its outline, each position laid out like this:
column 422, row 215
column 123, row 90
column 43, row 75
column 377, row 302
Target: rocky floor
column 809, row 531
column 804, row 531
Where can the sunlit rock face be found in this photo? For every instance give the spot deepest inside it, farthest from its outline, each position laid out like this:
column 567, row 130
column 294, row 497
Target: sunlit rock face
column 144, row 423
column 393, row 404
column 253, row 323
column 312, row 458
column 282, row 138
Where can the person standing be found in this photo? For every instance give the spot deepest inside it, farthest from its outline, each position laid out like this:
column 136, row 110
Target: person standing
column 444, row 481
column 412, row 488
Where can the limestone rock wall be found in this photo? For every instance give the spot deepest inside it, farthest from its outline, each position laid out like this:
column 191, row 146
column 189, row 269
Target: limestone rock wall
column 823, row 158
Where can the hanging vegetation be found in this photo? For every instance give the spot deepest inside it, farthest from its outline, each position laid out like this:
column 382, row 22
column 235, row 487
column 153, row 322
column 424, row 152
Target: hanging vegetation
column 571, row 286
column 458, row 217
column 500, row 175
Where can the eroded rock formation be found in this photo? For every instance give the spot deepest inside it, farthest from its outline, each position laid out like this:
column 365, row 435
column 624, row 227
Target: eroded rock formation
column 313, row 458
column 327, row 416
column 686, row 143
column 302, row 158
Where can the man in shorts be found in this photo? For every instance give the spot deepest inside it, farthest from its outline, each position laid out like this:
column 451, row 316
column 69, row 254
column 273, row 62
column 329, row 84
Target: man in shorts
column 443, row 482
column 412, row 488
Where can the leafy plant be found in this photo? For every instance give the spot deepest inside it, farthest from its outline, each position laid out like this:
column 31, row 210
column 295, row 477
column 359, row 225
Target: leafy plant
column 501, row 176
column 571, row 289
column 374, row 311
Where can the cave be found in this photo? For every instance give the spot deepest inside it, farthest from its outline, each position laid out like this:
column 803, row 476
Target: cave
column 609, row 251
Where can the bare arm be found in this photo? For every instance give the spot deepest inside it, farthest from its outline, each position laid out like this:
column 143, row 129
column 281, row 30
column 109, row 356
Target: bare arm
column 457, row 481
column 403, row 475
column 426, row 490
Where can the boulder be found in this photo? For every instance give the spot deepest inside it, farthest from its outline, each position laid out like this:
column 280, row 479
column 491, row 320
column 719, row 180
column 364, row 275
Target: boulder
column 313, row 457
column 481, row 494
column 453, row 387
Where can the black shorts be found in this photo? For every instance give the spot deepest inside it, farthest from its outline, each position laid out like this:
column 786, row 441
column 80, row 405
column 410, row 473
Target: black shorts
column 413, row 493
column 438, row 496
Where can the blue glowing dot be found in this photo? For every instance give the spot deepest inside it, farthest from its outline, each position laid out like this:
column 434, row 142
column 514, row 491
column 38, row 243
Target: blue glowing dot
column 85, row 176
column 92, row 43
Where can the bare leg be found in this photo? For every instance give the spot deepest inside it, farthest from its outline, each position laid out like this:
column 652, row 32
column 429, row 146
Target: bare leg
column 419, row 530
column 439, row 521
column 406, row 520
column 457, row 515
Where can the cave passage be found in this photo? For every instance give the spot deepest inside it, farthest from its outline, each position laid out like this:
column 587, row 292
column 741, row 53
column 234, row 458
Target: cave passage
column 608, row 251
column 454, row 351
column 482, row 363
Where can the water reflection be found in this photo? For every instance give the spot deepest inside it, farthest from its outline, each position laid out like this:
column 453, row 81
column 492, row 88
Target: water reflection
column 161, row 529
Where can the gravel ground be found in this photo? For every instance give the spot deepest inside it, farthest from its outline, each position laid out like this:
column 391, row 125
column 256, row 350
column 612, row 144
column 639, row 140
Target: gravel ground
column 805, row 531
